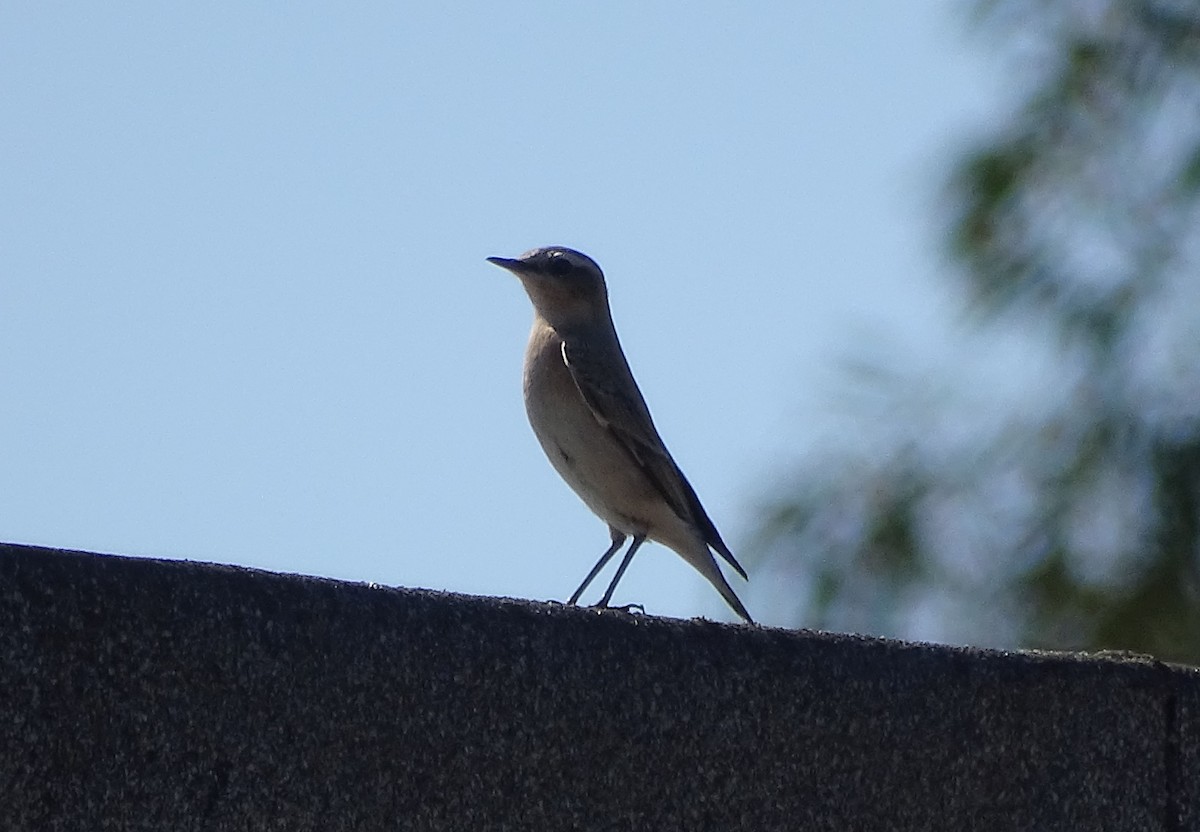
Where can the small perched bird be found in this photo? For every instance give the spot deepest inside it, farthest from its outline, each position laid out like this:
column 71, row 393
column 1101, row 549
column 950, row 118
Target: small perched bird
column 593, row 424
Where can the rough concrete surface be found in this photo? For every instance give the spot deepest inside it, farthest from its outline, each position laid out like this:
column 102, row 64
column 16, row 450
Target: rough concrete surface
column 156, row 695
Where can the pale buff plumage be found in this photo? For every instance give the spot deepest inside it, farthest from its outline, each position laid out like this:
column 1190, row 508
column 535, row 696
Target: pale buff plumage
column 592, row 422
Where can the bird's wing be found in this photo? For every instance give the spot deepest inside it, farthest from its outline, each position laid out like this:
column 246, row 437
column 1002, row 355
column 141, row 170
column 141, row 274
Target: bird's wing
column 626, row 417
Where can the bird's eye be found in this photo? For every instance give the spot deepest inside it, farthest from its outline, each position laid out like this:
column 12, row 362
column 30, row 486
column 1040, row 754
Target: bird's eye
column 559, row 266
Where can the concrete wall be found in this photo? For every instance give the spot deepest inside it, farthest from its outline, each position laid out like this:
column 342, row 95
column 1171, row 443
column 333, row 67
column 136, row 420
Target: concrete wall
column 141, row 694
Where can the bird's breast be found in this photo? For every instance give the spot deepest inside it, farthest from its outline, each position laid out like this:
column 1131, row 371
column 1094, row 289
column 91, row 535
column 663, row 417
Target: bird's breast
column 582, row 450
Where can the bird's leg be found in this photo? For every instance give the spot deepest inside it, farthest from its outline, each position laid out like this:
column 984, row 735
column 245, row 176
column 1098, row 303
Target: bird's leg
column 618, row 540
column 638, row 540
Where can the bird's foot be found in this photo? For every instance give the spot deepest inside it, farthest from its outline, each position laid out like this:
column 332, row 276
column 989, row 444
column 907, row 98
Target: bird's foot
column 628, row 609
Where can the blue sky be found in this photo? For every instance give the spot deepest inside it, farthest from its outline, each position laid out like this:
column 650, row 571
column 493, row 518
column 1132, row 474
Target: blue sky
column 247, row 316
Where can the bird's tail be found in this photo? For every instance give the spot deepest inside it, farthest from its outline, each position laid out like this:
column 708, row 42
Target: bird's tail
column 706, row 564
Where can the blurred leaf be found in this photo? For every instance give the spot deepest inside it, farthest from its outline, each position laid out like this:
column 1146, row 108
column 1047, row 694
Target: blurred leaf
column 1074, row 524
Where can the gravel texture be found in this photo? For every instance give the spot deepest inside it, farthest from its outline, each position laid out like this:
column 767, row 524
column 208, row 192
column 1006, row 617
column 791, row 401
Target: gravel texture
column 167, row 695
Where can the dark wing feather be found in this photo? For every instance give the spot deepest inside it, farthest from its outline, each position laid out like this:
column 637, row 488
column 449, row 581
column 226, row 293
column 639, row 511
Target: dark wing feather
column 627, row 418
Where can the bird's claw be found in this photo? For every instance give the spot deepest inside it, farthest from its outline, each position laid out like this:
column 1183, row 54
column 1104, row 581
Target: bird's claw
column 628, row 609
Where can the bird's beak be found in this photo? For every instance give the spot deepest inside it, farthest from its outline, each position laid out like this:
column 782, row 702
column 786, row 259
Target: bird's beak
column 514, row 266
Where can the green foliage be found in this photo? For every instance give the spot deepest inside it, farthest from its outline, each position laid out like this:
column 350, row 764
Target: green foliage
column 1077, row 526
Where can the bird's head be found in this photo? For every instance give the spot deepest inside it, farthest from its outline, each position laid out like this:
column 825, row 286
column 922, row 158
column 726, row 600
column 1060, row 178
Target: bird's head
column 566, row 286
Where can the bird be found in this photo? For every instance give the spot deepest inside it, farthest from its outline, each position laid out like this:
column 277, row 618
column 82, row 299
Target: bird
column 592, row 422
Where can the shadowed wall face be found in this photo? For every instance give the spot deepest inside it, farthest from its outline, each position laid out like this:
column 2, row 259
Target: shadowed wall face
column 147, row 694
